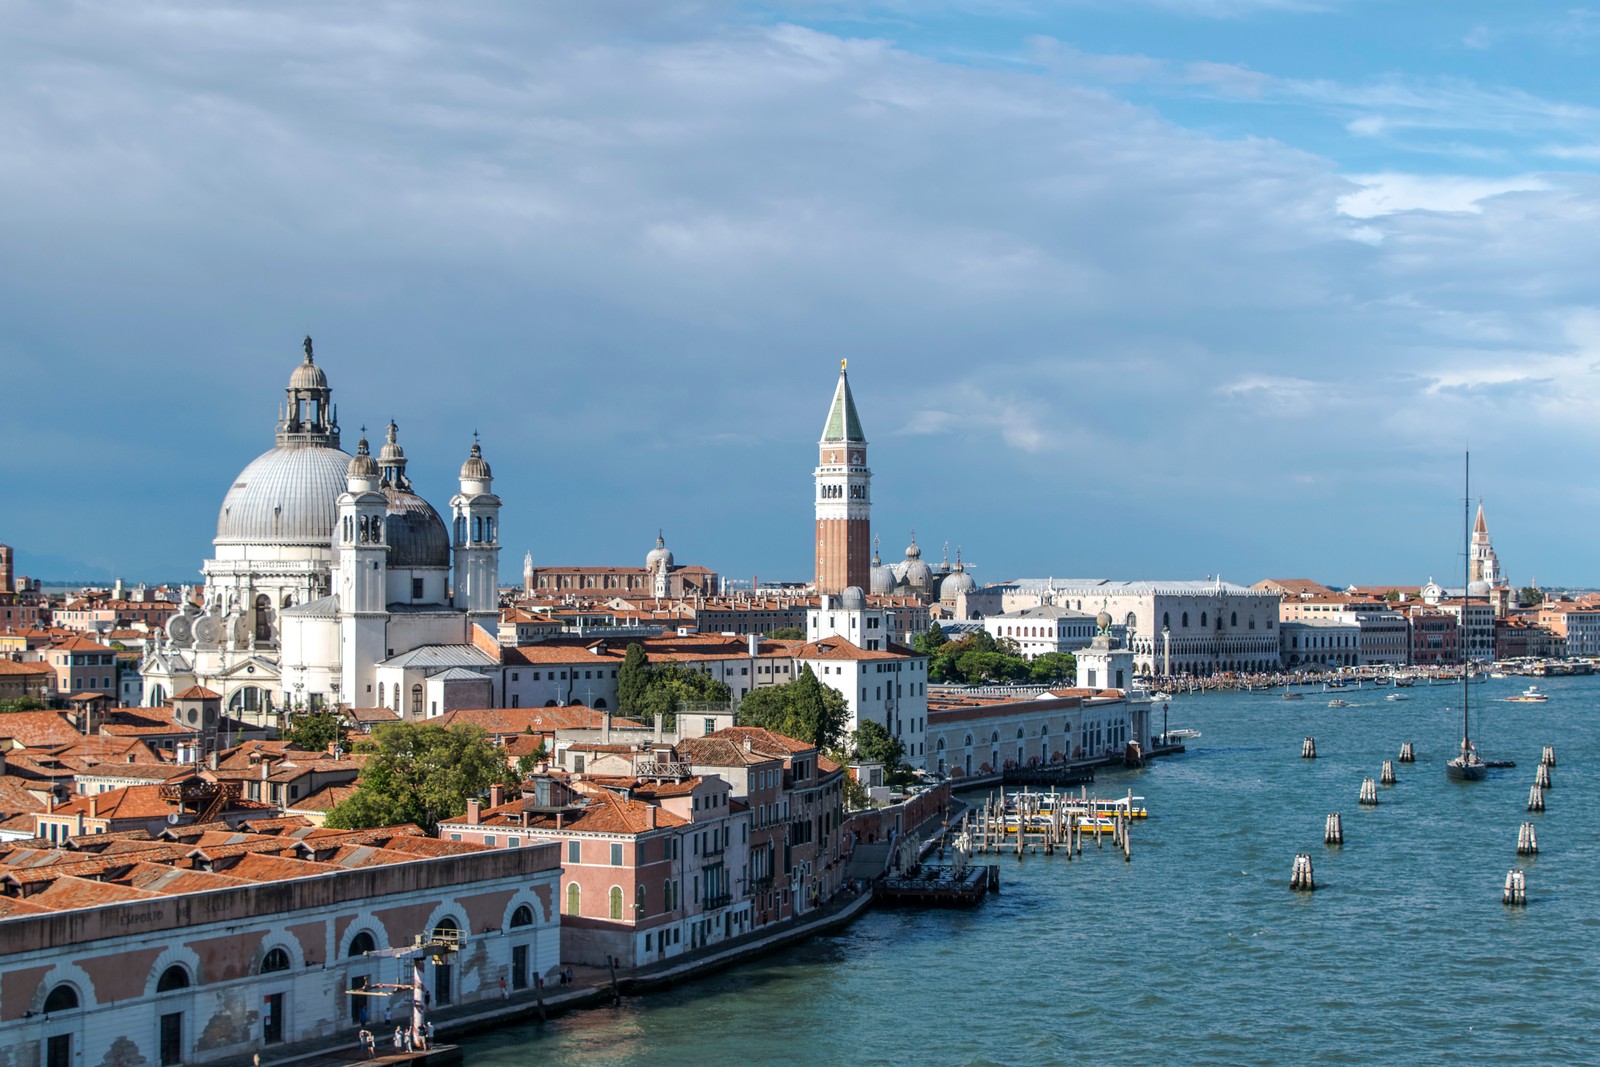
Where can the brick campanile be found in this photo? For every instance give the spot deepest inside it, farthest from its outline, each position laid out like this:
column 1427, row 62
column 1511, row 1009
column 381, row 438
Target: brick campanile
column 843, row 497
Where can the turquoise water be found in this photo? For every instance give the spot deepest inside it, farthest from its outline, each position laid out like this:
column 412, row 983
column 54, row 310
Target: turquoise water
column 1197, row 952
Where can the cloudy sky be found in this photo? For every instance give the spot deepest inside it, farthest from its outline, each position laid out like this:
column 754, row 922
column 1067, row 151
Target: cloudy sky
column 1138, row 288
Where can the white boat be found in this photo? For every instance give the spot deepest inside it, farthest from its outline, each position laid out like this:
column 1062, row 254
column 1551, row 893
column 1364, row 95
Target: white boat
column 1338, row 703
column 1530, row 695
column 1397, row 696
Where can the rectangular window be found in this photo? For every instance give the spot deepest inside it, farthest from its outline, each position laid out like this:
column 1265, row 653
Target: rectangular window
column 416, row 589
column 574, row 852
column 616, row 854
column 488, row 839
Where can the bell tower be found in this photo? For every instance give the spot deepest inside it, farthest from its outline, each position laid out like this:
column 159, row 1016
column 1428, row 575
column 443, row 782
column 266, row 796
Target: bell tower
column 843, row 497
column 476, row 514
column 362, row 575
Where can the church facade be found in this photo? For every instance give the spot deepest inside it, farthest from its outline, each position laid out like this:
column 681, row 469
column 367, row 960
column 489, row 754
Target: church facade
column 327, row 566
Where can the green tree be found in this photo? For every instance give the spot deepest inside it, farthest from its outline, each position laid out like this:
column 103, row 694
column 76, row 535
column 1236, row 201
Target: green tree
column 1392, row 596
column 1053, row 667
column 669, row 686
column 1530, row 596
column 22, row 703
column 873, row 742
column 314, row 731
column 928, row 643
column 633, row 678
column 803, row 709
column 421, row 773
column 788, row 633
column 526, row 765
column 855, row 795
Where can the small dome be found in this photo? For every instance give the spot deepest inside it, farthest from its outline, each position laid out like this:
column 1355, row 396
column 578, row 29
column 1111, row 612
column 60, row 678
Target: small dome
column 362, row 465
column 852, row 599
column 476, row 468
column 883, row 580
column 308, row 375
column 1478, row 588
column 660, row 554
column 957, row 583
column 417, row 536
column 912, row 551
column 391, row 452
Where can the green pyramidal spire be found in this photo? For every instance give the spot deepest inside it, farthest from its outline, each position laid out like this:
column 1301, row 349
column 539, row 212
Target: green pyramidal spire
column 843, row 422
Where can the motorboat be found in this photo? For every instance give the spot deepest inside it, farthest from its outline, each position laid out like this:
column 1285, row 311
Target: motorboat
column 1338, row 703
column 1530, row 695
column 1397, row 696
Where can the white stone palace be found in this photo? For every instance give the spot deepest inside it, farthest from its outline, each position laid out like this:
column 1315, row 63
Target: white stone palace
column 330, row 574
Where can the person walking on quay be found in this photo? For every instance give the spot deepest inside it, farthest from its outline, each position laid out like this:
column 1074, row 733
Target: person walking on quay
column 364, row 1037
column 399, row 1039
column 503, row 994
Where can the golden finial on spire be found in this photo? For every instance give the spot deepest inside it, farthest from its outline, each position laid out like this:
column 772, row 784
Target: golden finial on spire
column 842, row 363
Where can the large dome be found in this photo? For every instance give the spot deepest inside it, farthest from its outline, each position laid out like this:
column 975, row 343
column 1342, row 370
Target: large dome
column 417, row 536
column 289, row 495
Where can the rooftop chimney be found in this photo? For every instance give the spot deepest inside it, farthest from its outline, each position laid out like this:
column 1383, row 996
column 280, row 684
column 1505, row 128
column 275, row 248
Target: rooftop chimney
column 605, row 727
column 650, row 817
column 474, row 812
column 497, row 795
column 755, row 645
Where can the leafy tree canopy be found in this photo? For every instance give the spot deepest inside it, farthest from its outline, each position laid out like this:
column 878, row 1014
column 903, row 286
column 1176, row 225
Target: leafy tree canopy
column 633, row 678
column 420, row 773
column 788, row 633
column 803, row 709
column 23, row 703
column 669, row 686
column 976, row 658
column 874, row 742
column 314, row 731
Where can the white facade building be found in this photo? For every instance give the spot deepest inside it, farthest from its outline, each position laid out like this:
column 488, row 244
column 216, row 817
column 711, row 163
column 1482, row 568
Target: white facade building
column 1046, row 628
column 326, row 566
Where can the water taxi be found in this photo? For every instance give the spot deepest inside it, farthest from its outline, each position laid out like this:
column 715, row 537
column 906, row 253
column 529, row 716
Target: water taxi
column 1292, row 695
column 1530, row 695
column 1338, row 703
column 1179, row 735
column 1397, row 696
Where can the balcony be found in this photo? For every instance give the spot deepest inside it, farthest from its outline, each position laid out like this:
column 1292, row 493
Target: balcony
column 721, row 900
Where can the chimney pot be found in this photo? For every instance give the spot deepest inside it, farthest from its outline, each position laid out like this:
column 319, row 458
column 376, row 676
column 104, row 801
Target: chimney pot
column 474, row 812
column 497, row 795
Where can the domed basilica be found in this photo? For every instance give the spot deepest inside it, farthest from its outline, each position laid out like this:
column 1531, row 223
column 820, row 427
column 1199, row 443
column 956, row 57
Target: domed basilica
column 330, row 573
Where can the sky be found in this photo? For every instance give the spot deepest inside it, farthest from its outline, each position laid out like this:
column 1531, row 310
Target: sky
column 1133, row 288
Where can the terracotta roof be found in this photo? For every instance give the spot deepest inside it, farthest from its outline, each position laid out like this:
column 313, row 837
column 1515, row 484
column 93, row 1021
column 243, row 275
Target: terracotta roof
column 71, row 893
column 129, row 802
column 839, row 648
column 714, row 751
column 764, row 740
column 38, row 729
column 12, row 667
column 324, row 799
column 197, row 692
column 507, row 721
column 79, row 644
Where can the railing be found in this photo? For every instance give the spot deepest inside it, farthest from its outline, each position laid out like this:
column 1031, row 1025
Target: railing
column 721, row 900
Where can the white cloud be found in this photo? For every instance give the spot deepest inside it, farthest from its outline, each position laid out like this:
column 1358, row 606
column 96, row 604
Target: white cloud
column 1386, row 194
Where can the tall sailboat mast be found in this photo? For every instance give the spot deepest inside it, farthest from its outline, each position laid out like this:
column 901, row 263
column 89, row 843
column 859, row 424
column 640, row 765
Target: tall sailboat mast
column 1467, row 766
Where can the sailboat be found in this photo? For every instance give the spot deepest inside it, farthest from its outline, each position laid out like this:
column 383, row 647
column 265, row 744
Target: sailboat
column 1467, row 766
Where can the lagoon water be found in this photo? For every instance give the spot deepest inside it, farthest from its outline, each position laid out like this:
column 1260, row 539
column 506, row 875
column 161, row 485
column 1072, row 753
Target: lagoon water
column 1197, row 952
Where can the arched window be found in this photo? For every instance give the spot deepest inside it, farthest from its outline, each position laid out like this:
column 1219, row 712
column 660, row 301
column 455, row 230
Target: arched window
column 1233, row 618
column 994, row 738
column 940, row 745
column 361, row 944
column 1202, row 620
column 1186, row 619
column 638, row 901
column 416, row 700
column 381, row 702
column 1166, row 620
column 263, row 618
column 276, row 960
column 446, row 927
column 62, row 998
column 969, row 740
column 1019, row 733
column 574, row 898
column 616, row 902
column 174, row 977
column 523, row 916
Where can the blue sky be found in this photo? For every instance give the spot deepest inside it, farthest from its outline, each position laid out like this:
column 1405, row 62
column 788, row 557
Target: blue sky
column 1137, row 288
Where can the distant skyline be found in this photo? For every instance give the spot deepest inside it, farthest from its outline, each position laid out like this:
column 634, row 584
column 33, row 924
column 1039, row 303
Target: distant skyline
column 1129, row 288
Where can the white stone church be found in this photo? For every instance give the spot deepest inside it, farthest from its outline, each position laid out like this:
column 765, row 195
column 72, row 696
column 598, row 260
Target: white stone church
column 332, row 583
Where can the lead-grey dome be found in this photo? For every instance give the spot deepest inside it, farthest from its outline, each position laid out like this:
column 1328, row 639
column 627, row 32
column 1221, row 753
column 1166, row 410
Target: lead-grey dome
column 288, row 495
column 417, row 536
column 852, row 599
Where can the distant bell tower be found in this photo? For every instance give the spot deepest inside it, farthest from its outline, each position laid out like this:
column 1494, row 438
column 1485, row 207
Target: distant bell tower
column 843, row 497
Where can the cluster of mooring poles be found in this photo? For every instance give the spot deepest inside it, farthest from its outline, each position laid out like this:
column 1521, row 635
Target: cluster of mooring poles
column 1029, row 822
column 1516, row 887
